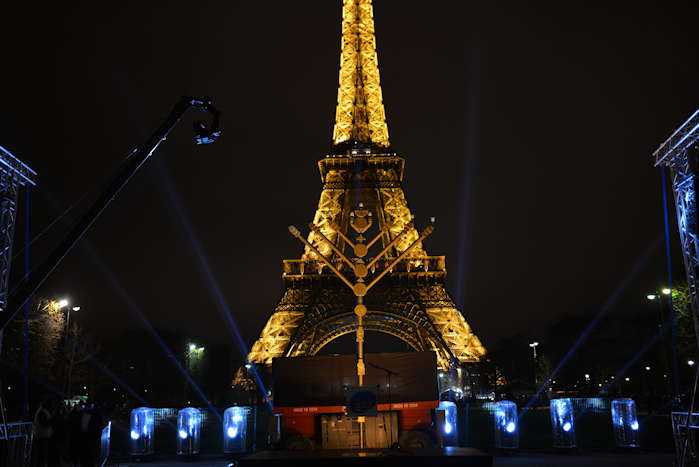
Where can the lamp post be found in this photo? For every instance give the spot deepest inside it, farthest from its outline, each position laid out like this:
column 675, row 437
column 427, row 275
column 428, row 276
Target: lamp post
column 60, row 305
column 71, row 347
column 534, row 345
column 664, row 298
column 193, row 355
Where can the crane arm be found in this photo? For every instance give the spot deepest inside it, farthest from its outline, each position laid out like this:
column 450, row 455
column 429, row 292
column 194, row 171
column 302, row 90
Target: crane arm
column 204, row 134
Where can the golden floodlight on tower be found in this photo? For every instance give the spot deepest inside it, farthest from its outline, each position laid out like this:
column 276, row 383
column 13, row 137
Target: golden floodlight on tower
column 338, row 286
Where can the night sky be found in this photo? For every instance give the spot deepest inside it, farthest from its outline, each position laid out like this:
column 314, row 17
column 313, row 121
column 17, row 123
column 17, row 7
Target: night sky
column 528, row 130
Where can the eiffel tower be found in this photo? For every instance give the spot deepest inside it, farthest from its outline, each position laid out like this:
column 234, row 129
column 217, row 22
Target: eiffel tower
column 361, row 173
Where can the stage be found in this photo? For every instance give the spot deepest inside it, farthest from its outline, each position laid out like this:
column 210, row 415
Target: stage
column 460, row 456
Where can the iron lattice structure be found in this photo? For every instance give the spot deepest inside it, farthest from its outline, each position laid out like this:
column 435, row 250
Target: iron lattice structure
column 680, row 153
column 360, row 114
column 13, row 174
column 411, row 302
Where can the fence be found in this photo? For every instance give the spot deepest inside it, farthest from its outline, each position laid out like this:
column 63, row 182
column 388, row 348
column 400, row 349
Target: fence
column 16, row 443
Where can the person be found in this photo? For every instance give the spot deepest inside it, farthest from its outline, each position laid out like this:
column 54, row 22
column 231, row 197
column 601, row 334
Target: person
column 91, row 424
column 74, row 441
column 42, row 431
column 59, row 437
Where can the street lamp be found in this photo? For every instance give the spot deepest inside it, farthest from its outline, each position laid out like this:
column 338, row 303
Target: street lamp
column 665, row 306
column 690, row 362
column 59, row 305
column 533, row 345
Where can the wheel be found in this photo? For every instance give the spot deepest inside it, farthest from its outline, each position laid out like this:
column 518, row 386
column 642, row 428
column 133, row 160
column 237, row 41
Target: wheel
column 298, row 443
column 416, row 440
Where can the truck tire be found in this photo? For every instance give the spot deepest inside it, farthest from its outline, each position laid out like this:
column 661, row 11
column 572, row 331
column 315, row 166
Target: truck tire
column 416, row 439
column 298, row 443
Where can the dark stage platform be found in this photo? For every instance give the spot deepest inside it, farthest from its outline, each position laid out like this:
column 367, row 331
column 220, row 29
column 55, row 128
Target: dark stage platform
column 370, row 458
column 523, row 459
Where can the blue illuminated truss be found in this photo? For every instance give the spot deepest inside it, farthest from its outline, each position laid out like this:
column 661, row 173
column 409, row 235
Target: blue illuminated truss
column 680, row 152
column 13, row 174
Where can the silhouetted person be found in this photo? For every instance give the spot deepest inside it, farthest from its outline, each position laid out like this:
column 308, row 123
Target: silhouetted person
column 58, row 438
column 91, row 423
column 74, row 435
column 43, row 431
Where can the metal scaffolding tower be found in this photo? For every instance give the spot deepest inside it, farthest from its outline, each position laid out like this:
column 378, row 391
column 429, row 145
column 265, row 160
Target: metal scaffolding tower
column 13, row 174
column 680, row 153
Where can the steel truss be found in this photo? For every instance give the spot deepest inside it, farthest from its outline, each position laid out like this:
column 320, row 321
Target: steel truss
column 680, row 152
column 13, row 174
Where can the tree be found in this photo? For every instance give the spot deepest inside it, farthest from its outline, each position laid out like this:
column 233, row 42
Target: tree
column 57, row 355
column 686, row 335
column 45, row 325
column 79, row 348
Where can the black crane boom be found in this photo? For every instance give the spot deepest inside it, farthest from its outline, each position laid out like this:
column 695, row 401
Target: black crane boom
column 204, row 134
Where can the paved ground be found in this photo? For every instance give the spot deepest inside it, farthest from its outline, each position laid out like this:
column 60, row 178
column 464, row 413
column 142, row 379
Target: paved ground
column 581, row 459
column 587, row 460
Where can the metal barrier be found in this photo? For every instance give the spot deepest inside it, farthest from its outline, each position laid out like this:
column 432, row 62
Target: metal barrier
column 16, row 443
column 104, row 444
column 684, row 432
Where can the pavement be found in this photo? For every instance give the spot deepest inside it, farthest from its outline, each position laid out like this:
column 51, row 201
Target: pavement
column 579, row 459
column 587, row 460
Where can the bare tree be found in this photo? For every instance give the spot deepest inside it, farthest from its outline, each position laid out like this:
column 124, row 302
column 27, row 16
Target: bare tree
column 45, row 324
column 78, row 350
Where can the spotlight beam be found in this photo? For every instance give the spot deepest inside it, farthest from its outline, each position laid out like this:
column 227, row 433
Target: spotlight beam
column 646, row 347
column 197, row 250
column 154, row 334
column 91, row 254
column 608, row 305
column 34, row 280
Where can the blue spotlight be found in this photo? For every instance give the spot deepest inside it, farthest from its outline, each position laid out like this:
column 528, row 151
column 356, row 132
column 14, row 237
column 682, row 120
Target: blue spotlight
column 646, row 347
column 137, row 311
column 142, row 428
column 188, row 430
column 469, row 177
column 562, row 423
column 625, row 423
column 234, row 430
column 450, row 432
column 506, row 432
column 205, row 267
column 89, row 251
column 608, row 305
column 95, row 362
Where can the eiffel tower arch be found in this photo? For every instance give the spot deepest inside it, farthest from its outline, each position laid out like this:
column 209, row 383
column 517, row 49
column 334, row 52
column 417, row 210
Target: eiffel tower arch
column 361, row 173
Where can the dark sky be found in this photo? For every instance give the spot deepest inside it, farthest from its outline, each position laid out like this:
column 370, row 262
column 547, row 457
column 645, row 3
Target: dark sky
column 527, row 127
